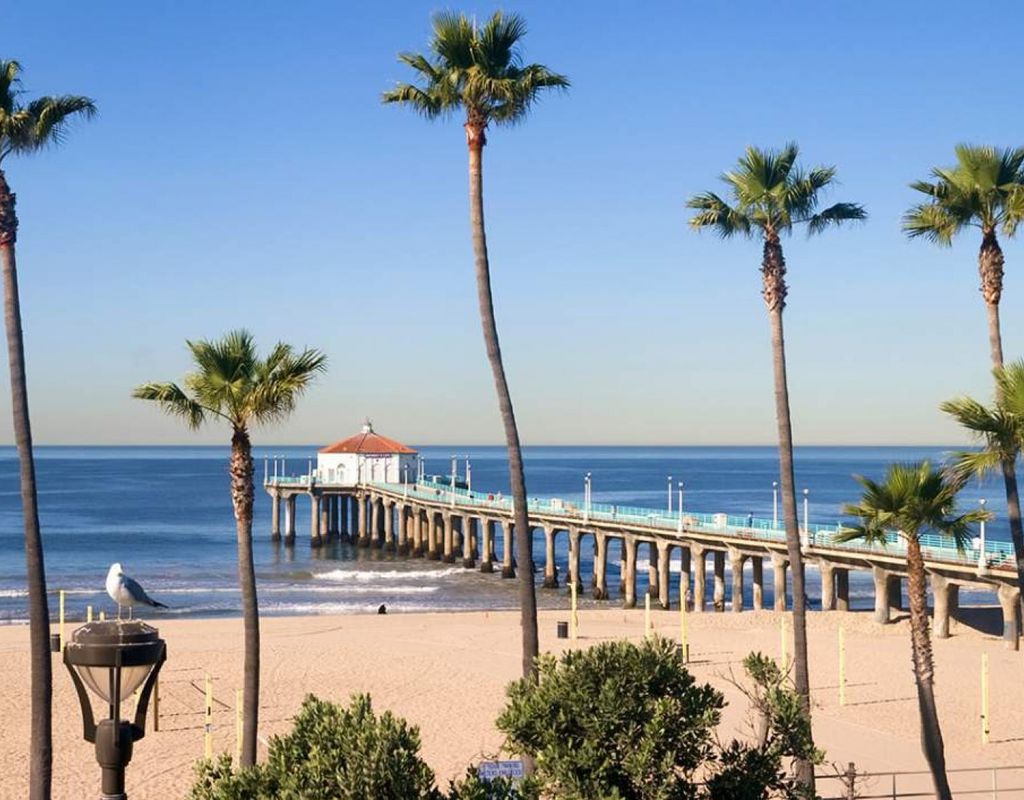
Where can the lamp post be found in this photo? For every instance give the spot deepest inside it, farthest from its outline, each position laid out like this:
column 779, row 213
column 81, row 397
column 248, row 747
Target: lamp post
column 807, row 527
column 982, row 561
column 112, row 659
column 469, row 474
column 455, row 468
column 775, row 505
column 670, row 495
column 586, row 497
column 680, row 504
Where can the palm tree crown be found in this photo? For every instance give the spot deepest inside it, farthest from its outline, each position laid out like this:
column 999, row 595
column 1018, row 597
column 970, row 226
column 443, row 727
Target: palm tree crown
column 999, row 427
column 913, row 499
column 233, row 383
column 772, row 195
column 984, row 190
column 31, row 126
column 479, row 70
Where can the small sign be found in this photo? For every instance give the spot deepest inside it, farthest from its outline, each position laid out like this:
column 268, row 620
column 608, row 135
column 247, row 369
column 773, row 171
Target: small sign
column 489, row 770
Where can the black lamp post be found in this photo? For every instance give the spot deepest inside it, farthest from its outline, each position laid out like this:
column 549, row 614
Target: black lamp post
column 113, row 659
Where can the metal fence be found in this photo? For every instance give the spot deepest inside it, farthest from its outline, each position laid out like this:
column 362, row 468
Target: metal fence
column 995, row 783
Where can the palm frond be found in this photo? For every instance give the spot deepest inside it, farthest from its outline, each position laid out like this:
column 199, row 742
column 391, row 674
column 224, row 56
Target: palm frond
column 966, row 464
column 52, row 115
column 173, row 401
column 718, row 215
column 835, row 215
column 931, row 221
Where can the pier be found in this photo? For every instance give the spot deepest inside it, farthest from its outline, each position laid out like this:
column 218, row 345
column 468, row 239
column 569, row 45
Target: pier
column 438, row 519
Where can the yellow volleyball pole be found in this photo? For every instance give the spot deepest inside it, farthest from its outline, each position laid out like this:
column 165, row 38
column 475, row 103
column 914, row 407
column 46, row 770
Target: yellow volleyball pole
column 208, row 735
column 61, row 629
column 647, row 615
column 984, row 698
column 88, row 613
column 238, row 726
column 842, row 666
column 683, row 639
column 574, row 620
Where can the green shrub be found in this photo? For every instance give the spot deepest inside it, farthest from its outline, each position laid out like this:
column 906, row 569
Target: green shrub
column 332, row 753
column 473, row 787
column 628, row 722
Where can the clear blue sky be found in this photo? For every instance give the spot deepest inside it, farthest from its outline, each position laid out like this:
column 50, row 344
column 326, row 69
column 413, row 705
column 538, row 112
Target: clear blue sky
column 242, row 172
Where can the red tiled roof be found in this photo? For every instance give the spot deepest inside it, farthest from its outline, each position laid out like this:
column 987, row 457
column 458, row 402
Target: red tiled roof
column 368, row 442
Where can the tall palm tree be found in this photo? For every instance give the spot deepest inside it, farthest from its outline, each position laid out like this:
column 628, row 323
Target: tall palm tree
column 913, row 500
column 771, row 196
column 984, row 190
column 999, row 429
column 232, row 383
column 480, row 72
column 26, row 128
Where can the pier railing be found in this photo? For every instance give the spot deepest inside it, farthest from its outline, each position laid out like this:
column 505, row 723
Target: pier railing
column 935, row 548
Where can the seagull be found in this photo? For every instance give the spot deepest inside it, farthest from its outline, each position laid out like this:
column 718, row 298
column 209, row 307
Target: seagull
column 126, row 591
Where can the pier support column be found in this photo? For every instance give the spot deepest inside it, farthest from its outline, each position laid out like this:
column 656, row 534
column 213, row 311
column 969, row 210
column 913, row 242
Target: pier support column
column 779, row 564
column 736, row 559
column 574, row 558
column 275, row 516
column 940, row 605
column 332, row 517
column 718, row 598
column 550, row 567
column 508, row 564
column 828, row 585
column 896, row 592
column 421, row 532
column 600, row 566
column 487, row 545
column 881, row 578
column 684, row 576
column 289, row 519
column 629, row 572
column 343, row 517
column 402, row 545
column 652, row 570
column 449, row 540
column 325, row 518
column 314, row 520
column 1009, row 600
column 842, row 589
column 700, row 564
column 664, row 563
column 375, row 521
column 364, row 538
column 468, row 560
column 757, row 578
column 389, row 526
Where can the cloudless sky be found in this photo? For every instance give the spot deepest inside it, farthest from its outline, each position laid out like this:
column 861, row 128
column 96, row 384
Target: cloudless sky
column 243, row 172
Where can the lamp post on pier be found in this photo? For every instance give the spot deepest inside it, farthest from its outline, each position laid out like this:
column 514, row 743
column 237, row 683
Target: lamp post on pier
column 469, row 474
column 586, row 497
column 455, row 468
column 775, row 505
column 680, row 504
column 670, row 495
column 807, row 526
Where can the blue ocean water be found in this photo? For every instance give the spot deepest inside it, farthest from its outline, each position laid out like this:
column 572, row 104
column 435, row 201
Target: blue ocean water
column 165, row 513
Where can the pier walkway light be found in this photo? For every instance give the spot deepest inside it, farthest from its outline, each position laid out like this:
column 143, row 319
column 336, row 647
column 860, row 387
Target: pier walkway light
column 112, row 659
column 775, row 505
column 670, row 495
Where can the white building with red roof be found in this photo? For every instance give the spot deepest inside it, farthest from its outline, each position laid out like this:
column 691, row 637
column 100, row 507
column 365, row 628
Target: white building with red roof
column 367, row 456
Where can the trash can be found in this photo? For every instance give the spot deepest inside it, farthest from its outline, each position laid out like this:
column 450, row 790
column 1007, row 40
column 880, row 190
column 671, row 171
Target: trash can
column 563, row 630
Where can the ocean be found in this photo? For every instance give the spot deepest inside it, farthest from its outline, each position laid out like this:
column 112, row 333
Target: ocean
column 165, row 514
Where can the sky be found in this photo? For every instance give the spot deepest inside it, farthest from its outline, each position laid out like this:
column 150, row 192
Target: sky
column 242, row 172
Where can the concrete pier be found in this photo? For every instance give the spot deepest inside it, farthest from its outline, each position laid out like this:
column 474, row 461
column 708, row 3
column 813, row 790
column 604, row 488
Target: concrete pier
column 700, row 564
column 828, row 588
column 842, row 589
column 664, row 565
column 684, row 576
column 574, row 559
column 289, row 520
column 736, row 559
column 449, row 540
column 468, row 559
column 881, row 578
column 757, row 579
column 628, row 578
column 487, row 537
column 779, row 564
column 314, row 521
column 275, row 516
column 550, row 568
column 508, row 562
column 718, row 558
column 600, row 566
column 1009, row 601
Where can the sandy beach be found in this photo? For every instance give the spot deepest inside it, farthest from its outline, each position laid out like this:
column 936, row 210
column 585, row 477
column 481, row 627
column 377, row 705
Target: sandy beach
column 447, row 673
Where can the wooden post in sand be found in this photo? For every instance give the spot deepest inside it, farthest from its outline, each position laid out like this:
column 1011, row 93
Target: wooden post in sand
column 984, row 698
column 683, row 638
column 842, row 666
column 208, row 727
column 61, row 627
column 574, row 620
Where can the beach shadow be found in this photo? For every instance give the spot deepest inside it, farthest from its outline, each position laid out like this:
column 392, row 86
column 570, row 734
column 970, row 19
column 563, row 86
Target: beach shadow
column 984, row 619
column 882, row 702
column 1006, row 741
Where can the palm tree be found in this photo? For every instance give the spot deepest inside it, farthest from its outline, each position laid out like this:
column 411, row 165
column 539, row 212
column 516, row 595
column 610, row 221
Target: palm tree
column 913, row 500
column 26, row 128
column 984, row 190
column 771, row 196
column 480, row 72
column 231, row 382
column 1000, row 430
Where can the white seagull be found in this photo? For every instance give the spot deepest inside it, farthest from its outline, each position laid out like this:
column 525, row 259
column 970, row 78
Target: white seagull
column 126, row 591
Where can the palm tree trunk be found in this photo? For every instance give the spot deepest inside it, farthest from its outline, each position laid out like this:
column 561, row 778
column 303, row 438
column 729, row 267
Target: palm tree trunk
column 476, row 140
column 40, row 737
column 241, row 470
column 773, row 270
column 990, row 268
column 924, row 670
column 1013, row 513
